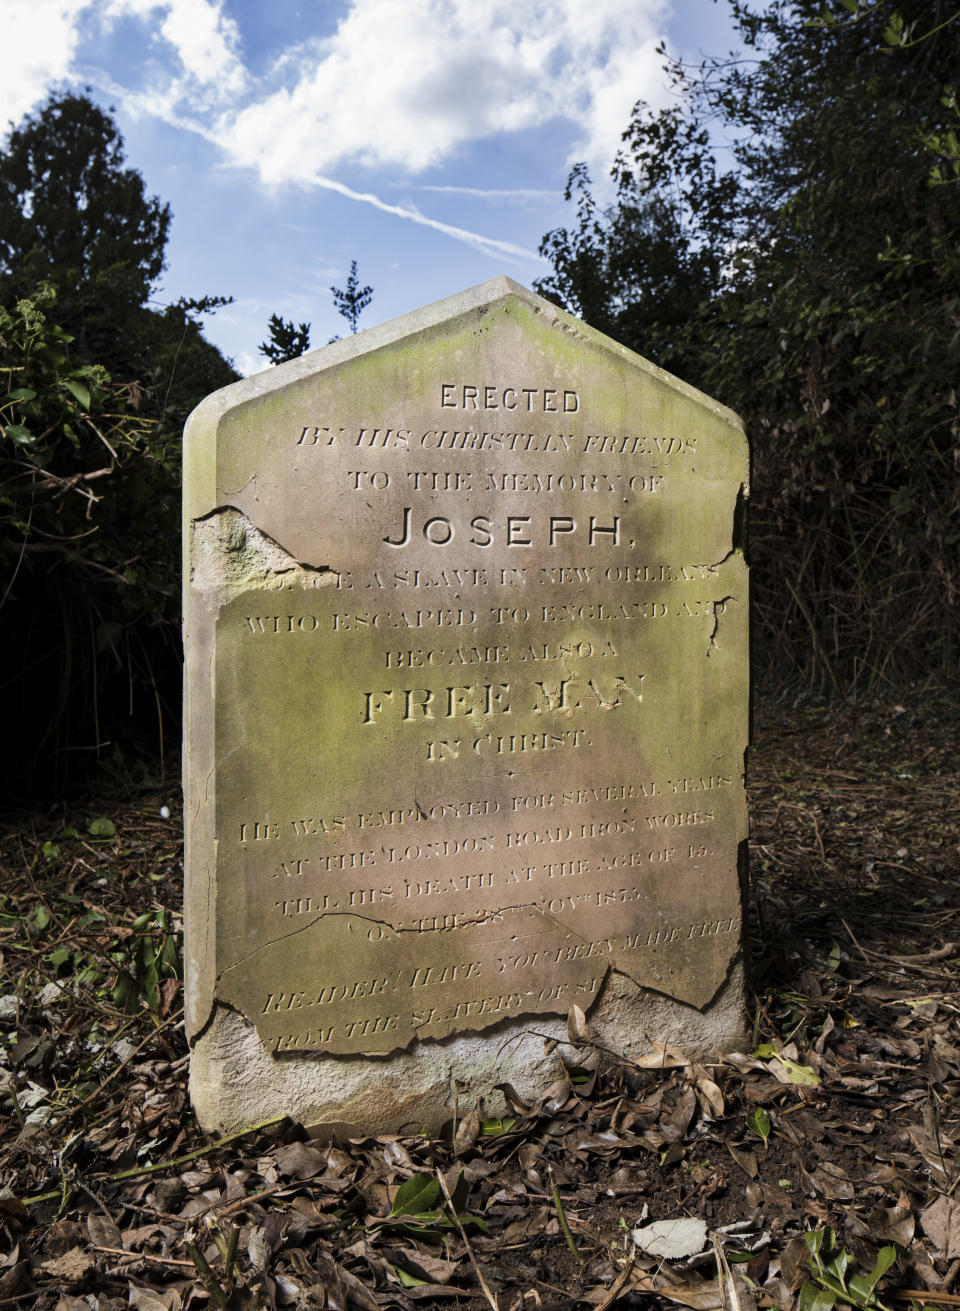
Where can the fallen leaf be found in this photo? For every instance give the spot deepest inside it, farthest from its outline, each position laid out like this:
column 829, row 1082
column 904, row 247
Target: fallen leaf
column 577, row 1030
column 833, row 1182
column 432, row 1268
column 941, row 1224
column 745, row 1159
column 672, row 1239
column 786, row 1071
column 468, row 1131
column 298, row 1161
column 72, row 1266
column 663, row 1057
column 103, row 1232
column 711, row 1095
column 894, row 1224
column 146, row 1299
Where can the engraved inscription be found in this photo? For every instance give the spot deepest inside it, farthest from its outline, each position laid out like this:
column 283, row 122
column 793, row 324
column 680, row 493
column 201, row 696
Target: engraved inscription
column 479, row 727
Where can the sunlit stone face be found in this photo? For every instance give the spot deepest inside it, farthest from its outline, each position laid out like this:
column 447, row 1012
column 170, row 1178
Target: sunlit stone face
column 466, row 632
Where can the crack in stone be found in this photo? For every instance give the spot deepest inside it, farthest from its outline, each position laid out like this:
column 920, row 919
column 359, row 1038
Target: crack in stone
column 482, row 917
column 718, row 608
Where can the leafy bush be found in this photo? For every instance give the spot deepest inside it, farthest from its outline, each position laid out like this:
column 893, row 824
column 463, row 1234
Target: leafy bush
column 89, row 537
column 809, row 282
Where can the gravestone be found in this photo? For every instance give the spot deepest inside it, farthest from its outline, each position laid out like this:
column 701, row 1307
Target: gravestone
column 466, row 717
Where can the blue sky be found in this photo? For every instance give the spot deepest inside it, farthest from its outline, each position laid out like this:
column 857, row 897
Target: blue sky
column 427, row 139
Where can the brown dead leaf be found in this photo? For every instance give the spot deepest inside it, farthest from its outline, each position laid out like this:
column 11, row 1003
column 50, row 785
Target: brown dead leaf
column 746, row 1160
column 711, row 1097
column 662, row 1057
column 577, row 1030
column 71, row 1267
column 468, row 1131
column 146, row 1299
column 298, row 1161
column 103, row 1232
column 833, row 1181
column 15, row 1280
column 359, row 1295
column 674, row 1126
column 429, row 1267
column 941, row 1224
column 794, row 1260
column 259, row 1250
column 893, row 1224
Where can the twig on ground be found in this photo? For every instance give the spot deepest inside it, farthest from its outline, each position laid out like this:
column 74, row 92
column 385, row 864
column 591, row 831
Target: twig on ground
column 484, row 1286
column 165, row 1165
column 614, row 1290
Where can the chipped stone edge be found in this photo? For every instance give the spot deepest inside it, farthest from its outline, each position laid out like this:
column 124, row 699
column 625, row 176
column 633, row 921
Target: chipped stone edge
column 205, row 1020
column 235, row 1081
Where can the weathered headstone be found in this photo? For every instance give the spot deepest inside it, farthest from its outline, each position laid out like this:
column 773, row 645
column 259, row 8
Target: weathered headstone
column 466, row 714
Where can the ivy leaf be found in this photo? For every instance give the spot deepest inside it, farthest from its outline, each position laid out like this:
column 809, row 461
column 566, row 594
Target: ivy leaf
column 20, row 434
column 813, row 1298
column 794, row 1073
column 408, row 1280
column 416, row 1196
column 758, row 1122
column 78, row 390
column 492, row 1127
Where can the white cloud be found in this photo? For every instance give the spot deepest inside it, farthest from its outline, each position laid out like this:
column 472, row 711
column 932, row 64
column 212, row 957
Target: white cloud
column 207, row 43
column 40, row 38
column 399, row 85
column 205, row 40
column 407, row 83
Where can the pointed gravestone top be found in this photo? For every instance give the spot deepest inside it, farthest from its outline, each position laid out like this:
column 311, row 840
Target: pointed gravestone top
column 466, row 714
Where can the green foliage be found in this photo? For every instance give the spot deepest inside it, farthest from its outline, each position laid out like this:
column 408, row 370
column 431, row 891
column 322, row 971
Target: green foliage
column 137, row 964
column 285, row 340
column 834, row 1275
column 818, row 298
column 88, row 534
column 94, row 390
column 144, row 959
column 73, row 215
column 758, row 1122
column 419, row 1210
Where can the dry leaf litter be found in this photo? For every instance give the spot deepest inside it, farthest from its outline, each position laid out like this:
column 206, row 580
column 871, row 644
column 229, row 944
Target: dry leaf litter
column 816, row 1168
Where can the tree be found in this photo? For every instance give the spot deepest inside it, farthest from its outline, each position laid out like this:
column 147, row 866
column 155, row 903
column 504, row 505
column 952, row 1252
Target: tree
column 88, row 551
column 94, row 388
column 632, row 270
column 827, row 258
column 74, row 216
column 352, row 301
column 285, row 341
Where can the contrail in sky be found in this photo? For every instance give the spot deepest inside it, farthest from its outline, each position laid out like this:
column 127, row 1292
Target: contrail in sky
column 488, row 245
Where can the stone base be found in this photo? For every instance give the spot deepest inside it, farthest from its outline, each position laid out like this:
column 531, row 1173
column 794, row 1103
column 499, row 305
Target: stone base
column 235, row 1082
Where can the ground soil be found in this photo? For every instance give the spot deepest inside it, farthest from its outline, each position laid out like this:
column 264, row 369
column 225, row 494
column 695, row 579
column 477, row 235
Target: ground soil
column 830, row 1143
